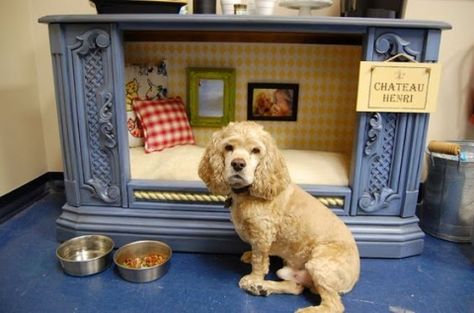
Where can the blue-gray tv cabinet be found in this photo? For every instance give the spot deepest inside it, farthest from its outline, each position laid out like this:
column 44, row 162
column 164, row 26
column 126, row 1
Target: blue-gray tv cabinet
column 88, row 60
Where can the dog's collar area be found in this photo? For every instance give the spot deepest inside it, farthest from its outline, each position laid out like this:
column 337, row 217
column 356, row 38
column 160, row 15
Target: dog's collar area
column 228, row 201
column 241, row 190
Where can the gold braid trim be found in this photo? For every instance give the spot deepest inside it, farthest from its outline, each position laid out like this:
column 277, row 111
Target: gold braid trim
column 332, row 201
column 176, row 196
column 201, row 197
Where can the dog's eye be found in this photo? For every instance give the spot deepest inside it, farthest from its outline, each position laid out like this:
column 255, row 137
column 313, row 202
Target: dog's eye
column 255, row 150
column 229, row 148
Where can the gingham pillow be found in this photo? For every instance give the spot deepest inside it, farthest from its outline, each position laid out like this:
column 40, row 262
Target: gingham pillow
column 165, row 123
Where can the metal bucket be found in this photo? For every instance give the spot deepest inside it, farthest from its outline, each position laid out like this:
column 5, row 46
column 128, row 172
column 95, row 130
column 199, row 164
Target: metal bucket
column 472, row 237
column 447, row 211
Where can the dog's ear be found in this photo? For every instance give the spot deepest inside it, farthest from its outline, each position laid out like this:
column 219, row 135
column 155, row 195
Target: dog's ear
column 271, row 174
column 211, row 167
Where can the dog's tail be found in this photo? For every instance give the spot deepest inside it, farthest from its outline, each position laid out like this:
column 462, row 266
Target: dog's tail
column 330, row 302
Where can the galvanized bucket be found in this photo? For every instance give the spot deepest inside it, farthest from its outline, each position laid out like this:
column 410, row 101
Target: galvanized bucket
column 447, row 211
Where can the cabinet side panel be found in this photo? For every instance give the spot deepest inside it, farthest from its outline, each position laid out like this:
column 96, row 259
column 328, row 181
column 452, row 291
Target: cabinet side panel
column 65, row 113
column 91, row 82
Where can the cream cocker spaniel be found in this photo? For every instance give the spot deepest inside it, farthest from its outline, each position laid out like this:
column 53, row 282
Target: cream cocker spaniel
column 279, row 218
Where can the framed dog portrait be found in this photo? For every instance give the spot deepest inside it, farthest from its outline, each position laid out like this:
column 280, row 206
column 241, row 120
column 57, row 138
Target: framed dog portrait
column 272, row 101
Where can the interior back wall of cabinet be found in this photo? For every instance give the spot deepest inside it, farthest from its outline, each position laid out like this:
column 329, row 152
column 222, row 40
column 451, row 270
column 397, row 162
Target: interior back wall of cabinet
column 327, row 76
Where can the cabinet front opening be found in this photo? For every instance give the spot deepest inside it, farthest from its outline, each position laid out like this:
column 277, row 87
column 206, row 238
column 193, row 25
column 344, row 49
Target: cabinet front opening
column 317, row 144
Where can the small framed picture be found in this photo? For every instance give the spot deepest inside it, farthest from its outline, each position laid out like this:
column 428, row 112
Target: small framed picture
column 211, row 96
column 272, row 101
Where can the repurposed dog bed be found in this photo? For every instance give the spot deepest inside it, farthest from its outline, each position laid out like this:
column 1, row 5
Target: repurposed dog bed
column 122, row 192
column 181, row 163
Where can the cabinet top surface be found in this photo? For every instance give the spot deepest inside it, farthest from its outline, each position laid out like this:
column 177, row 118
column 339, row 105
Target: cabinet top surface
column 348, row 24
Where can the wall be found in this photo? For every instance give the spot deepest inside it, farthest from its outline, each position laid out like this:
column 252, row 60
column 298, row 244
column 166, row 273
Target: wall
column 22, row 153
column 450, row 121
column 29, row 137
column 44, row 72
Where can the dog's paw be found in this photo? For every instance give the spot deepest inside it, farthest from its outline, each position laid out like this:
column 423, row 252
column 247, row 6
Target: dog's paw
column 253, row 285
column 246, row 257
column 295, row 289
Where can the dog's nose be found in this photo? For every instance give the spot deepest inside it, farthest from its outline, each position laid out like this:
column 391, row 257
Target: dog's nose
column 238, row 164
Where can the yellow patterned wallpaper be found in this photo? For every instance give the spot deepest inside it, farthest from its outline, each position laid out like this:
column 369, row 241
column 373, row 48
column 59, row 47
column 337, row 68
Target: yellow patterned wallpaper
column 327, row 77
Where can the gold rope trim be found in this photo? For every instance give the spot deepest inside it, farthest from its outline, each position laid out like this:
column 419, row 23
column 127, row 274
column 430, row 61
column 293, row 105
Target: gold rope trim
column 176, row 196
column 332, row 201
column 200, row 197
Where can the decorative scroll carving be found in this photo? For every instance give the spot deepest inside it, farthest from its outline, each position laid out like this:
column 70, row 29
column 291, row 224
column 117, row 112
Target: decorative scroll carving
column 377, row 201
column 99, row 115
column 391, row 44
column 106, row 127
column 380, row 144
column 381, row 164
column 375, row 127
column 95, row 39
column 379, row 149
column 108, row 194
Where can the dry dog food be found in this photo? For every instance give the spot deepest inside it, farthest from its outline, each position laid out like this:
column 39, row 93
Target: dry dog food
column 146, row 261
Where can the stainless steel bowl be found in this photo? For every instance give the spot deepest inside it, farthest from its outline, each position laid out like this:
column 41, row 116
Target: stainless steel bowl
column 142, row 249
column 85, row 255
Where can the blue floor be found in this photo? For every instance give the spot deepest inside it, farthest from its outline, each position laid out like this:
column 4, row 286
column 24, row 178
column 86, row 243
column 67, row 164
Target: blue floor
column 440, row 280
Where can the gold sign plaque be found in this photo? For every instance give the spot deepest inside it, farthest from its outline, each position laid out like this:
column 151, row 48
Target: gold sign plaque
column 398, row 87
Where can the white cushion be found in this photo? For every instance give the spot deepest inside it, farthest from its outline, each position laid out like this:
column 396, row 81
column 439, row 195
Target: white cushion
column 181, row 163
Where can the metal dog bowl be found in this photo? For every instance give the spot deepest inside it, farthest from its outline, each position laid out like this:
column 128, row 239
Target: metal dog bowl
column 140, row 249
column 85, row 255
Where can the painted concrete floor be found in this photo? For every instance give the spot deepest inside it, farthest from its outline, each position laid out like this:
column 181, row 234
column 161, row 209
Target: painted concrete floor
column 440, row 280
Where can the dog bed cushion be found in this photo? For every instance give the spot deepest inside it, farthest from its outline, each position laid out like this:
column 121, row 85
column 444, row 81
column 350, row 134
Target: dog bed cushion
column 181, row 163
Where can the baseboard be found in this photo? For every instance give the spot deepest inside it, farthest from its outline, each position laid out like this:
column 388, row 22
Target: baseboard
column 27, row 194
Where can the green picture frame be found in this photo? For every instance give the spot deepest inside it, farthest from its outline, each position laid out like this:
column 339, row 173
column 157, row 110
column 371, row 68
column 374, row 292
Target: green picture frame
column 211, row 96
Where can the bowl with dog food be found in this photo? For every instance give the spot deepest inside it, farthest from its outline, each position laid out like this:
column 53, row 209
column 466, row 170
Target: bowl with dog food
column 85, row 255
column 143, row 261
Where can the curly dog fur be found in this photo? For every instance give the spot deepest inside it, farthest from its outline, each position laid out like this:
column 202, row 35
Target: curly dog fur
column 278, row 218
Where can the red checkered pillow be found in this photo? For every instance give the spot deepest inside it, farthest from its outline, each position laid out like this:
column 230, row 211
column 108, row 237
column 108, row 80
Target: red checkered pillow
column 164, row 122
